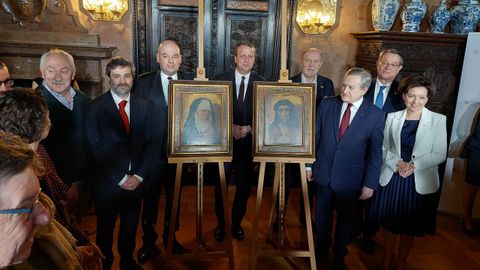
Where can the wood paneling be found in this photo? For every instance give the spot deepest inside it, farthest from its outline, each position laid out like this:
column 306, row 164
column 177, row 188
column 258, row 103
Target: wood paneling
column 227, row 23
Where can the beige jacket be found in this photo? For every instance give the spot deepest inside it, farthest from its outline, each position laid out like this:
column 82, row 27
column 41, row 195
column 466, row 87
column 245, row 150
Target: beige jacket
column 430, row 149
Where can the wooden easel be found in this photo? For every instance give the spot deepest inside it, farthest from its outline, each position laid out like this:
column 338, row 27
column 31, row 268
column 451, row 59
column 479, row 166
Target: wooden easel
column 279, row 190
column 201, row 252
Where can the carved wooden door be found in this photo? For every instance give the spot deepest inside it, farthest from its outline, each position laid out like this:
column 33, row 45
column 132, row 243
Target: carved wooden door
column 227, row 23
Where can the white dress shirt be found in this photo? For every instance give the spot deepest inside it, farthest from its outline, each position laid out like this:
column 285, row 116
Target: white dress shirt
column 165, row 83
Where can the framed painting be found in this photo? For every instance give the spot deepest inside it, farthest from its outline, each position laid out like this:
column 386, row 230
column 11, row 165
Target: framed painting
column 284, row 119
column 200, row 117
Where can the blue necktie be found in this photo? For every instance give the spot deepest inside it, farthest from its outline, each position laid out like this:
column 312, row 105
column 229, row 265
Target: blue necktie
column 379, row 100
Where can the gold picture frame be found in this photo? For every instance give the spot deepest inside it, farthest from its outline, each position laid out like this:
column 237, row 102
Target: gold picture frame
column 284, row 119
column 200, row 119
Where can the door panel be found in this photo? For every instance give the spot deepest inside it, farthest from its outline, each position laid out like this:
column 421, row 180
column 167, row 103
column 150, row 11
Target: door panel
column 227, row 23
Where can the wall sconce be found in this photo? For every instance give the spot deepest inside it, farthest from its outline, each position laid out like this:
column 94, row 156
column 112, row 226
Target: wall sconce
column 106, row 10
column 316, row 16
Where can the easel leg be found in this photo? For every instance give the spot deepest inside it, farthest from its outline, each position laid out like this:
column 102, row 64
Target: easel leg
column 200, row 243
column 274, row 202
column 281, row 203
column 253, row 247
column 228, row 228
column 173, row 217
column 308, row 217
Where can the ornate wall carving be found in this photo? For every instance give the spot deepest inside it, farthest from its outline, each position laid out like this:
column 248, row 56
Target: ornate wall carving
column 225, row 26
column 183, row 29
column 29, row 28
column 439, row 57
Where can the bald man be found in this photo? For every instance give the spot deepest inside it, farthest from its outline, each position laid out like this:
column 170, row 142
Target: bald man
column 154, row 86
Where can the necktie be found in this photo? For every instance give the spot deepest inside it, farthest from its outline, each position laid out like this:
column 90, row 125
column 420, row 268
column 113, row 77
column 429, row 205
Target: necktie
column 166, row 90
column 123, row 114
column 345, row 122
column 241, row 94
column 379, row 100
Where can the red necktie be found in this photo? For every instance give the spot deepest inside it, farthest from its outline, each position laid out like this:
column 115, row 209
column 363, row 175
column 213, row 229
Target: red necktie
column 345, row 122
column 241, row 94
column 123, row 114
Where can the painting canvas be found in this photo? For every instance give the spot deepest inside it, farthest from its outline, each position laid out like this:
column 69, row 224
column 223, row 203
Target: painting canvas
column 200, row 118
column 284, row 119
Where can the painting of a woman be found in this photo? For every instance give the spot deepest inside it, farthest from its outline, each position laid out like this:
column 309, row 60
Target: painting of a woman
column 201, row 127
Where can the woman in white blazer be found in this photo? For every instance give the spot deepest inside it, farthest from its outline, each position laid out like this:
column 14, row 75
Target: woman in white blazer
column 415, row 142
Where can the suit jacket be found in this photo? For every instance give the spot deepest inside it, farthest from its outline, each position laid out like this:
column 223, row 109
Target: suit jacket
column 110, row 149
column 324, row 87
column 355, row 160
column 149, row 86
column 430, row 149
column 394, row 101
column 242, row 148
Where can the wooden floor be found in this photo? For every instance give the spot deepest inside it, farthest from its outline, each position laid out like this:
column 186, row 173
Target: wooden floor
column 450, row 248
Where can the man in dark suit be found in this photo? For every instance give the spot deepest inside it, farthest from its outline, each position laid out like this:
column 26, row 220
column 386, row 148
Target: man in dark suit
column 312, row 60
column 154, row 86
column 383, row 89
column 348, row 139
column 242, row 164
column 383, row 93
column 119, row 144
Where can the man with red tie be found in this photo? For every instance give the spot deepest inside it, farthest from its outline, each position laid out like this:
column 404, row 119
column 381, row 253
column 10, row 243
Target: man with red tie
column 119, row 145
column 348, row 140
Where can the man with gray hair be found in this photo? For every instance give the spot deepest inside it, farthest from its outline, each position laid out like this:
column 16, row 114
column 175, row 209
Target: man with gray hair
column 67, row 106
column 349, row 137
column 312, row 62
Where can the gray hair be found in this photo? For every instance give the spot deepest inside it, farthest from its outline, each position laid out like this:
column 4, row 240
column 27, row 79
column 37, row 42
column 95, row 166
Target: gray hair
column 392, row 51
column 363, row 73
column 53, row 52
column 313, row 50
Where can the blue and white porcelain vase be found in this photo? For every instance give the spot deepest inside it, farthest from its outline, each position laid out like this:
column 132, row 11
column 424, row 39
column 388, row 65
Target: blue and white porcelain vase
column 464, row 17
column 384, row 13
column 440, row 18
column 412, row 15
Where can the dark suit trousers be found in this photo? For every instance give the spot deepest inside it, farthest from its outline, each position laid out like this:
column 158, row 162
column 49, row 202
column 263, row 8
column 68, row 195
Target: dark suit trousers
column 150, row 212
column 127, row 208
column 169, row 190
column 365, row 223
column 242, row 172
column 345, row 204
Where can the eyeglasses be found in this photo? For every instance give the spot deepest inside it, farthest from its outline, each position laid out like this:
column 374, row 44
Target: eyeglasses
column 386, row 64
column 8, row 82
column 23, row 210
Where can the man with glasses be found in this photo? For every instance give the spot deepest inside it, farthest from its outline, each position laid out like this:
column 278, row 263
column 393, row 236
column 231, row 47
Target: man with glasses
column 383, row 90
column 19, row 211
column 383, row 93
column 5, row 82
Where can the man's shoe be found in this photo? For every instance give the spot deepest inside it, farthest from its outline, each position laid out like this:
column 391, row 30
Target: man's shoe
column 130, row 265
column 177, row 248
column 238, row 233
column 219, row 233
column 146, row 253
